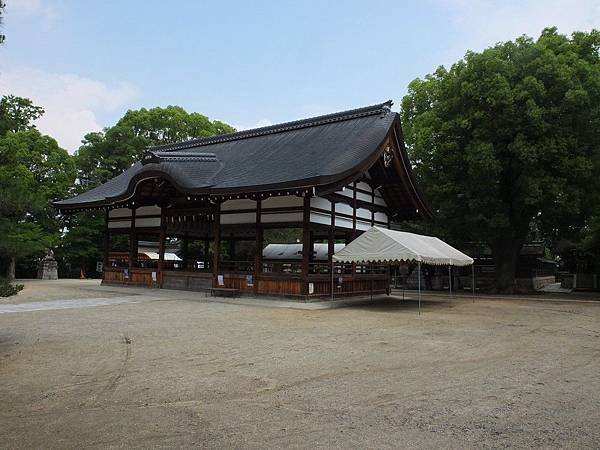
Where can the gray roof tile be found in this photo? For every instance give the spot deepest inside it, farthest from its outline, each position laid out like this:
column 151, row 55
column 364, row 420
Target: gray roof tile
column 304, row 153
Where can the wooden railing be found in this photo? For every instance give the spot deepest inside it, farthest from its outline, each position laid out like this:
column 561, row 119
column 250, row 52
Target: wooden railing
column 239, row 275
column 279, row 285
column 186, row 280
column 137, row 276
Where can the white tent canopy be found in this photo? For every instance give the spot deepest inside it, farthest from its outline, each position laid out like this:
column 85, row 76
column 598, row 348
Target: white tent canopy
column 294, row 251
column 388, row 246
column 155, row 256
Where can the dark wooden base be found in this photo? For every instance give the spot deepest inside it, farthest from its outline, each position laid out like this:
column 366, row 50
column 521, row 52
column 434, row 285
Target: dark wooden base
column 293, row 287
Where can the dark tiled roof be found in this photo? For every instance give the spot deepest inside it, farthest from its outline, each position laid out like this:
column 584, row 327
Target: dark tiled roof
column 304, row 153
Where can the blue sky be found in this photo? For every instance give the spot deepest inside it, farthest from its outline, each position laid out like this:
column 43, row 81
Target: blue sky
column 247, row 63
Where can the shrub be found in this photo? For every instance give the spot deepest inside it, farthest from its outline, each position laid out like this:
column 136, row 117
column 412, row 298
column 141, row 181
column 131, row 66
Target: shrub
column 7, row 289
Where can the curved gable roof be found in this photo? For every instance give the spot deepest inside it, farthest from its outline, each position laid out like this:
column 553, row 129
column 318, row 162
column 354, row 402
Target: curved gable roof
column 304, row 153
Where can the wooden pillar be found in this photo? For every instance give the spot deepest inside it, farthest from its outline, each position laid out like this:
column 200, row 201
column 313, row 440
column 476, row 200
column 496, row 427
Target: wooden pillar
column 216, row 244
column 105, row 260
column 331, row 246
column 132, row 245
column 347, row 238
column 305, row 243
column 372, row 203
column 232, row 244
column 353, row 229
column 184, row 250
column 259, row 245
column 206, row 253
column 331, row 236
column 161, row 248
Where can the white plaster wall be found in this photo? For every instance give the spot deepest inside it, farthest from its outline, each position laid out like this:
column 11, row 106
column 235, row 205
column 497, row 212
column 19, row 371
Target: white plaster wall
column 281, row 217
column 364, row 186
column 322, row 203
column 147, row 222
column 283, row 201
column 363, row 213
column 120, row 212
column 232, row 205
column 361, row 225
column 343, row 208
column 249, row 218
column 147, row 211
column 342, row 222
column 322, row 218
column 364, row 197
column 381, row 217
column 120, row 224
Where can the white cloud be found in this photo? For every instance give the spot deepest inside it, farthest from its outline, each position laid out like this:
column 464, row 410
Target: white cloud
column 72, row 103
column 482, row 23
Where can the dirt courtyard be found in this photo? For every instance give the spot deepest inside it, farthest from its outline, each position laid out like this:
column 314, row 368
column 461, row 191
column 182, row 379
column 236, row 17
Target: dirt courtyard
column 89, row 366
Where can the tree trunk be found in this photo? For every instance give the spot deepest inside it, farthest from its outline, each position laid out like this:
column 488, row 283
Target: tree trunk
column 506, row 254
column 10, row 272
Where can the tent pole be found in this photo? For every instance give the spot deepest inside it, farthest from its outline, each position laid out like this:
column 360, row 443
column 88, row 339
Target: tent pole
column 371, row 281
column 473, row 280
column 403, row 282
column 449, row 284
column 419, row 278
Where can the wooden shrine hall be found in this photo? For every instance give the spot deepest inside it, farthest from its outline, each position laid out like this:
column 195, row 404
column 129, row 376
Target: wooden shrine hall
column 218, row 202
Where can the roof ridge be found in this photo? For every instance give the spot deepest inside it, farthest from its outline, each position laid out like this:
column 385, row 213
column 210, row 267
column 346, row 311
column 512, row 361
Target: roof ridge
column 278, row 128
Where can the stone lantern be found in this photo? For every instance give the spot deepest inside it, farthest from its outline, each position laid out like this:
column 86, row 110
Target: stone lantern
column 48, row 267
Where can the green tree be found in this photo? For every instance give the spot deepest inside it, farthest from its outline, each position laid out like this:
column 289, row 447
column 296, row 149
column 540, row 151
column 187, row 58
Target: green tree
column 106, row 154
column 33, row 171
column 18, row 114
column 508, row 139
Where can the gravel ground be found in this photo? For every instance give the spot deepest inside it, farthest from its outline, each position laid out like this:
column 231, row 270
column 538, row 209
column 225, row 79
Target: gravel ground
column 171, row 371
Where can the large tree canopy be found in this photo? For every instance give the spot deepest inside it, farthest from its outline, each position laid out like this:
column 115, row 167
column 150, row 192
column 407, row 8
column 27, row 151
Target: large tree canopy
column 509, row 138
column 33, row 171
